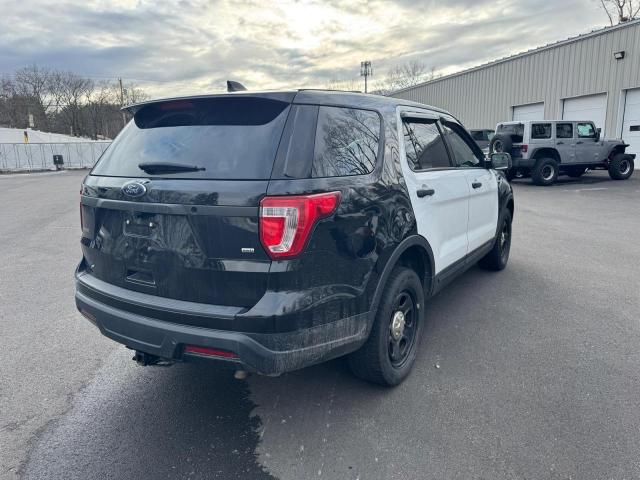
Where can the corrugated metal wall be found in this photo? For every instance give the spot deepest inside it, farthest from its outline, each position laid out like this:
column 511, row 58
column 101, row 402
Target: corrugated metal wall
column 484, row 96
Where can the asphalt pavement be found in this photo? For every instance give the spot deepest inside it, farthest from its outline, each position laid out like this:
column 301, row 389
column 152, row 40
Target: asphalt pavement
column 529, row 373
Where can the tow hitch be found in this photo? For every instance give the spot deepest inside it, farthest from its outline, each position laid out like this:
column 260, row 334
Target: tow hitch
column 146, row 359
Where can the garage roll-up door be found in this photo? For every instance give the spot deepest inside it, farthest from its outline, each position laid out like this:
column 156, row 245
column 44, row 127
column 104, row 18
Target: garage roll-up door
column 631, row 123
column 532, row 111
column 588, row 107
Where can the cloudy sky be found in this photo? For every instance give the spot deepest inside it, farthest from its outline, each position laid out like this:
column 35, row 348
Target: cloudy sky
column 192, row 46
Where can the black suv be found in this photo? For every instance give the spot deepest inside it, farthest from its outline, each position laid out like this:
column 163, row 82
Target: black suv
column 272, row 231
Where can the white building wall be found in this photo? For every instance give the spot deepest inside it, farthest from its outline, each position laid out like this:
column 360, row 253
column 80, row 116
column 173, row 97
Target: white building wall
column 483, row 96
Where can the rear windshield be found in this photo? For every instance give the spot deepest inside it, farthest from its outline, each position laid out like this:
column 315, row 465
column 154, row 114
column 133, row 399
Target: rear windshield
column 229, row 138
column 515, row 130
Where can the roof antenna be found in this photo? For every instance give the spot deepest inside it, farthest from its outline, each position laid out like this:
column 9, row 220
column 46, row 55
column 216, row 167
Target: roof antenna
column 235, row 86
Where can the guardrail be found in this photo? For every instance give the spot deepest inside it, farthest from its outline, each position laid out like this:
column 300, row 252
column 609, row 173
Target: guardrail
column 39, row 156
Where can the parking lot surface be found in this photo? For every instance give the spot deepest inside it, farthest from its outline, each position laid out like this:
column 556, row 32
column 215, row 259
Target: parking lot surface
column 530, row 373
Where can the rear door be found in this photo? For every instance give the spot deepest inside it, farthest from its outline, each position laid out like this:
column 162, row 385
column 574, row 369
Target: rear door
column 171, row 209
column 439, row 192
column 565, row 141
column 482, row 185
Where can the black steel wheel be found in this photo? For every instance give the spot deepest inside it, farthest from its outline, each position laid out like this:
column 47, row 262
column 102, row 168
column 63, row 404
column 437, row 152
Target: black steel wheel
column 390, row 351
column 498, row 257
column 402, row 328
column 545, row 172
column 621, row 166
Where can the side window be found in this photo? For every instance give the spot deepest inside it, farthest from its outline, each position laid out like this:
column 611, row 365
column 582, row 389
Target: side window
column 540, row 131
column 464, row 155
column 585, row 130
column 564, row 130
column 347, row 142
column 423, row 144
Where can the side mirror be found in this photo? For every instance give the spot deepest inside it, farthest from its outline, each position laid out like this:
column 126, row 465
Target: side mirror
column 598, row 133
column 500, row 161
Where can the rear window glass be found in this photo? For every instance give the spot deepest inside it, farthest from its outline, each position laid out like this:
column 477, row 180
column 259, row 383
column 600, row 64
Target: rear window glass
column 347, row 142
column 514, row 130
column 230, row 138
column 540, row 131
column 564, row 130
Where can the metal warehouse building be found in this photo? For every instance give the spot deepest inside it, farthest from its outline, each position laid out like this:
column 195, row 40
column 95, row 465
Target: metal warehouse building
column 595, row 76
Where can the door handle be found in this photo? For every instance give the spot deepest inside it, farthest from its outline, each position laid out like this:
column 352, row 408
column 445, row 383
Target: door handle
column 476, row 184
column 425, row 192
column 579, row 143
column 560, row 143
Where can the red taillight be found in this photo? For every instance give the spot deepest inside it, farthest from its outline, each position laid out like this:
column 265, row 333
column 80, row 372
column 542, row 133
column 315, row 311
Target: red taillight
column 209, row 352
column 286, row 223
column 524, row 148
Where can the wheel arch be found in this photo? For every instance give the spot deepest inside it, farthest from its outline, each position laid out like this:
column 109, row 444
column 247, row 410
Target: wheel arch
column 617, row 149
column 413, row 252
column 546, row 152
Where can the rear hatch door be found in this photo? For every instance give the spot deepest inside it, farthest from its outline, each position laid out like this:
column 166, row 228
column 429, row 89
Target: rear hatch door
column 171, row 209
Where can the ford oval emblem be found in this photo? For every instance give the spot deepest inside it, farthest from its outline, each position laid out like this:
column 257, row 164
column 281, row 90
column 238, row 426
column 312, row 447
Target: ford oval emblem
column 134, row 189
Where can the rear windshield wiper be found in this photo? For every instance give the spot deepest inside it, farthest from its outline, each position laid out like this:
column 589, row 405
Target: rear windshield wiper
column 168, row 167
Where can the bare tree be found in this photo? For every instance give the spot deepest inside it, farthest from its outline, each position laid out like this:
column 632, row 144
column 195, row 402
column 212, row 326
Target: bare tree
column 345, row 85
column 621, row 10
column 73, row 89
column 100, row 105
column 404, row 76
column 396, row 78
column 32, row 85
column 64, row 102
column 133, row 94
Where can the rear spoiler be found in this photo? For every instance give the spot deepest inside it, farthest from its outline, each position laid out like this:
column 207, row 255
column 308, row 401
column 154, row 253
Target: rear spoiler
column 283, row 96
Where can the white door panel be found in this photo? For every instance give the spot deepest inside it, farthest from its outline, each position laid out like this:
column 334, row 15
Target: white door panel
column 532, row 111
column 631, row 123
column 588, row 107
column 442, row 211
column 442, row 217
column 483, row 207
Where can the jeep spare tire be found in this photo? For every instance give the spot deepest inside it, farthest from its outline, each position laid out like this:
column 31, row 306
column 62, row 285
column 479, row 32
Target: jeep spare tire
column 501, row 144
column 621, row 166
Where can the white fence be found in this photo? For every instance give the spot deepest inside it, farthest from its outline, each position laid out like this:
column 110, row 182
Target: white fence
column 39, row 156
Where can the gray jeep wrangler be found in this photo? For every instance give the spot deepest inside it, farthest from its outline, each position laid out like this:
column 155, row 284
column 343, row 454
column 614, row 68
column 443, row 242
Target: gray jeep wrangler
column 545, row 149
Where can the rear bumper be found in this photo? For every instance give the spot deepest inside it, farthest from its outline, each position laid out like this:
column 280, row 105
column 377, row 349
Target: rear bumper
column 265, row 353
column 519, row 162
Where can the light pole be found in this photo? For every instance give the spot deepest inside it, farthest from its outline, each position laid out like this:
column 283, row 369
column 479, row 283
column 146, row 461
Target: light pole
column 365, row 71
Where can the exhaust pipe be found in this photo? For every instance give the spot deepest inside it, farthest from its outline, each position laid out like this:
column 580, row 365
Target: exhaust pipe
column 146, row 359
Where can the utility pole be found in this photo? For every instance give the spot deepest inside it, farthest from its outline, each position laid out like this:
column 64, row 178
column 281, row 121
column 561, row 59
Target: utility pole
column 124, row 117
column 365, row 71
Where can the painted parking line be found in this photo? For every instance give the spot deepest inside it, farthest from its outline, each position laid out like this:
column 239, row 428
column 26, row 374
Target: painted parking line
column 585, row 189
column 31, row 174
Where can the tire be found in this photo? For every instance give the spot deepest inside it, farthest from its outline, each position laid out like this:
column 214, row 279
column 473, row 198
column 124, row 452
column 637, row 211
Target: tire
column 501, row 143
column 498, row 257
column 621, row 166
column 545, row 172
column 373, row 362
column 576, row 172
